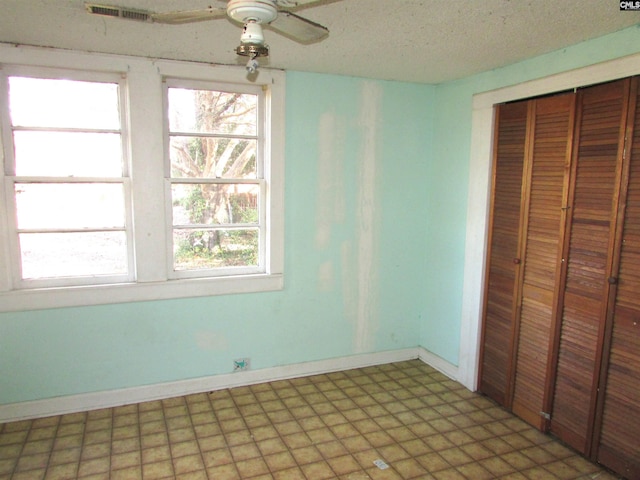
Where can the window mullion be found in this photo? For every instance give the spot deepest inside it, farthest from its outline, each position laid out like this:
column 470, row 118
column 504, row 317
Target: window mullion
column 145, row 117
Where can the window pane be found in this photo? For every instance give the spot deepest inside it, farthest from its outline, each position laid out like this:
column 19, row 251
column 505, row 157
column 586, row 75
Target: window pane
column 65, row 154
column 56, row 255
column 209, row 111
column 209, row 157
column 42, row 102
column 214, row 204
column 203, row 249
column 69, row 205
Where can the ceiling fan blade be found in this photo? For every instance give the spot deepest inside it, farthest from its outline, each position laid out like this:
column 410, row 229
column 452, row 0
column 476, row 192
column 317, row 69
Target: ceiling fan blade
column 189, row 16
column 297, row 28
column 300, row 4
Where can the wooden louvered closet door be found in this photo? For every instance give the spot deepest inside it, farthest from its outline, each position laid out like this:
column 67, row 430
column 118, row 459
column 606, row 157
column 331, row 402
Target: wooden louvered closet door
column 532, row 155
column 547, row 162
column 618, row 419
column 511, row 123
column 601, row 119
column 561, row 323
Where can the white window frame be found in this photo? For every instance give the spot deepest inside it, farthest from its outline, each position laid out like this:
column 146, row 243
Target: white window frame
column 261, row 152
column 11, row 179
column 144, row 114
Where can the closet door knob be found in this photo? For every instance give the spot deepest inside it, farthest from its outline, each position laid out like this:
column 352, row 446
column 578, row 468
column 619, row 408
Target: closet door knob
column 612, row 280
column 517, row 261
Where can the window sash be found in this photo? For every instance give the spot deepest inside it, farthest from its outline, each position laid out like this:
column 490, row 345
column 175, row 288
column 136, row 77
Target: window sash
column 260, row 226
column 259, row 137
column 11, row 179
column 15, row 231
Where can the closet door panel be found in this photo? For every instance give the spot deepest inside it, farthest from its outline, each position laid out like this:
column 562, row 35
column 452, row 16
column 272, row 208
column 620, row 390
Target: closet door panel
column 619, row 446
column 498, row 318
column 550, row 158
column 601, row 121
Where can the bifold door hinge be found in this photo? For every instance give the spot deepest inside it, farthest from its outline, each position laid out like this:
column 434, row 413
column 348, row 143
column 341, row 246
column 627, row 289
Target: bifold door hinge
column 545, row 415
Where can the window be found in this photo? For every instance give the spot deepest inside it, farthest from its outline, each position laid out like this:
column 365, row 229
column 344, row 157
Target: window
column 66, row 176
column 217, row 183
column 90, row 158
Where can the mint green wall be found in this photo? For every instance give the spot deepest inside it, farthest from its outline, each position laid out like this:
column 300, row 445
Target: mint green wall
column 358, row 153
column 449, row 171
column 376, row 192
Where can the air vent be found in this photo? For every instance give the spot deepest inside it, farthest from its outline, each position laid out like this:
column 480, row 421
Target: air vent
column 101, row 10
column 132, row 15
column 118, row 12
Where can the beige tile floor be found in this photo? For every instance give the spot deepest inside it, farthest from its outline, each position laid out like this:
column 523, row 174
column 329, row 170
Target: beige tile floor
column 421, row 424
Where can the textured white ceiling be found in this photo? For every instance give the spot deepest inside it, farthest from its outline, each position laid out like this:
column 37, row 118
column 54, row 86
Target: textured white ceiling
column 425, row 41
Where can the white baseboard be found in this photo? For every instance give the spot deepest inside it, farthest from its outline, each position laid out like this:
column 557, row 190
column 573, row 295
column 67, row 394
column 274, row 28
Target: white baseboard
column 114, row 398
column 438, row 363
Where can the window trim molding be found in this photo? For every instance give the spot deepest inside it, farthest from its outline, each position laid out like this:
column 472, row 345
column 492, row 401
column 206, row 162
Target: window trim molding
column 59, row 297
column 144, row 117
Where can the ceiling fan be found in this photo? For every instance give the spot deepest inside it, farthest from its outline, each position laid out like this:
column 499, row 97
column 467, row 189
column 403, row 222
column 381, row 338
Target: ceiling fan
column 253, row 14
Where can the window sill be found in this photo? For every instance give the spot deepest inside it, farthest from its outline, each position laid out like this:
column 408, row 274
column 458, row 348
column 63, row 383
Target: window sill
column 43, row 298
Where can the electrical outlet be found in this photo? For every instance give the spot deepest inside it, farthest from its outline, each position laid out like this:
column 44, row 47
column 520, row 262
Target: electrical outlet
column 241, row 364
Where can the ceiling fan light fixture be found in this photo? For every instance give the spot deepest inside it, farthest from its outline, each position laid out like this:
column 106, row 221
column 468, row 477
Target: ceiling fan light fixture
column 252, row 41
column 252, row 50
column 253, row 14
column 252, row 45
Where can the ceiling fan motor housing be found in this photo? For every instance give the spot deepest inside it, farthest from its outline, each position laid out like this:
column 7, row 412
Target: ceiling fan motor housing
column 252, row 11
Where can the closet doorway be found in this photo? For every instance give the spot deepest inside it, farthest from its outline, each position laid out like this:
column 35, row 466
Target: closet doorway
column 560, row 342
